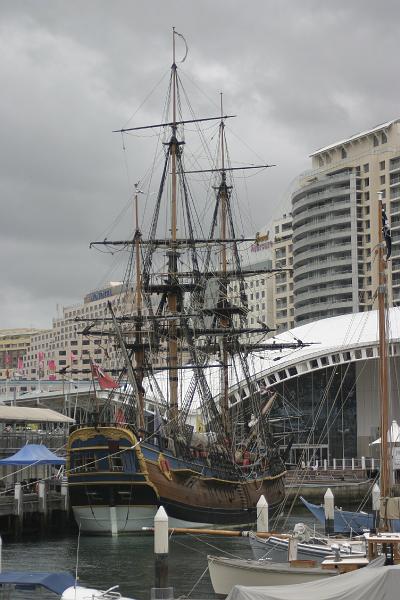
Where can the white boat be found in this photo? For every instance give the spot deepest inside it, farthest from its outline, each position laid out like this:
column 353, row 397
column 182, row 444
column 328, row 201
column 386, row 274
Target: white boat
column 308, row 547
column 225, row 573
column 83, row 593
column 61, row 584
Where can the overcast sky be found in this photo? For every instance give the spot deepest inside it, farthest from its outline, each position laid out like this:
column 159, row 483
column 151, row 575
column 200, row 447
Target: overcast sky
column 299, row 74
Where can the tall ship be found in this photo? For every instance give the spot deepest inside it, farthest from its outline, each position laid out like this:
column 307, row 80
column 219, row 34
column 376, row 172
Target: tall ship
column 184, row 344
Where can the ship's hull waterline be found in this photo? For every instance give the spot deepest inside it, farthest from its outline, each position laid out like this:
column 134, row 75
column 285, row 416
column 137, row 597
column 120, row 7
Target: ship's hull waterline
column 125, row 500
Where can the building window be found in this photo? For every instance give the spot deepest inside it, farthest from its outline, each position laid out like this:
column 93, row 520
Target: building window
column 366, row 182
column 366, row 168
column 382, row 179
column 382, row 165
column 384, row 137
column 344, row 153
column 376, row 141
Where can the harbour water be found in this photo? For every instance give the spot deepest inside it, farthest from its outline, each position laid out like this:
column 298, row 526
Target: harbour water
column 127, row 561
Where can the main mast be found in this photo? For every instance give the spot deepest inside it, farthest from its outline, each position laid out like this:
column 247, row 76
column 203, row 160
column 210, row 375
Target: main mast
column 172, row 254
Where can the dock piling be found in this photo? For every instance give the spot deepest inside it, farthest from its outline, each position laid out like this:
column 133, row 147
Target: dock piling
column 18, row 509
column 329, row 509
column 376, row 502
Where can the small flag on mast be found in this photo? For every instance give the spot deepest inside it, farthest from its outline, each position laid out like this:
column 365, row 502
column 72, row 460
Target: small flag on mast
column 387, row 236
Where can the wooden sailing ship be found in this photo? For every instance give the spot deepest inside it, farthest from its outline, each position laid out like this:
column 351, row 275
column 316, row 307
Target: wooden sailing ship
column 121, row 469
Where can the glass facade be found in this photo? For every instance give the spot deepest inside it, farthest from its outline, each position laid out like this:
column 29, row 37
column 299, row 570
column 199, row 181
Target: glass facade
column 318, row 410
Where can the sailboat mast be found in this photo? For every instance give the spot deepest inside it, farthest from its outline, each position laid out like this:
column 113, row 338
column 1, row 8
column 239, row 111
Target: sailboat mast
column 139, row 356
column 173, row 258
column 223, row 199
column 383, row 360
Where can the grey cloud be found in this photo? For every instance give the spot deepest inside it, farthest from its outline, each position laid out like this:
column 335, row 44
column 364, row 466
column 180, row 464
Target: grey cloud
column 299, row 75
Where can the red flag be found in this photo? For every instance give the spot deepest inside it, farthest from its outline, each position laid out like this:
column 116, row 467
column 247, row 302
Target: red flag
column 20, row 363
column 52, row 378
column 40, row 356
column 120, row 416
column 73, row 357
column 106, row 382
column 7, row 359
column 51, row 365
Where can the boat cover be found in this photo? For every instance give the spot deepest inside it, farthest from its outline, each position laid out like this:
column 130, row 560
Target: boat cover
column 33, row 454
column 55, row 582
column 381, row 583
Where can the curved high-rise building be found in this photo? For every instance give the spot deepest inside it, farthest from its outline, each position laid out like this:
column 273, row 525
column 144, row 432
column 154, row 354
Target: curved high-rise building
column 336, row 222
column 325, row 247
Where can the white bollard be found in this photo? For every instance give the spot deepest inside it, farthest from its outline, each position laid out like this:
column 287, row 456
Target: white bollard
column 262, row 515
column 161, row 548
column 329, row 509
column 325, row 464
column 352, row 464
column 372, row 464
column 334, row 464
column 363, row 466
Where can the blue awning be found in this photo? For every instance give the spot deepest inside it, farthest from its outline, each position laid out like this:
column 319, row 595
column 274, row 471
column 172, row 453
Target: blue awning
column 33, row 454
column 55, row 582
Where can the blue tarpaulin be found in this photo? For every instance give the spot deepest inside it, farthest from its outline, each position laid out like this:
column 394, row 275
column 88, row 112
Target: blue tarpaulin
column 33, row 454
column 55, row 582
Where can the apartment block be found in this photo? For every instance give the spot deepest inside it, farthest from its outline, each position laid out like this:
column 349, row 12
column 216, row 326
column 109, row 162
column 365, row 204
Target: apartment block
column 14, row 345
column 282, row 258
column 64, row 348
column 336, row 223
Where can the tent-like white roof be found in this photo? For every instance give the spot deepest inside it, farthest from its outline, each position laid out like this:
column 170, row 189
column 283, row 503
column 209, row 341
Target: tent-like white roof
column 327, row 337
column 13, row 414
column 393, row 435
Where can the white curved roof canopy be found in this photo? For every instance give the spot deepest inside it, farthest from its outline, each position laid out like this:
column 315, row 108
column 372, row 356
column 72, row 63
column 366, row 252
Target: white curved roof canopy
column 342, row 339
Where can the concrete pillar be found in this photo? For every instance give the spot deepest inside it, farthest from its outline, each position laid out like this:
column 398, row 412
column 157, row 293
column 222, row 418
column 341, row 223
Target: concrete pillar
column 18, row 508
column 161, row 549
column 262, row 515
column 64, row 494
column 42, row 496
column 329, row 509
column 334, row 464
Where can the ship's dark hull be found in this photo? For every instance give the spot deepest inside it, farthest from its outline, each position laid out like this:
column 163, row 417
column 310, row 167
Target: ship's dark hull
column 192, row 493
